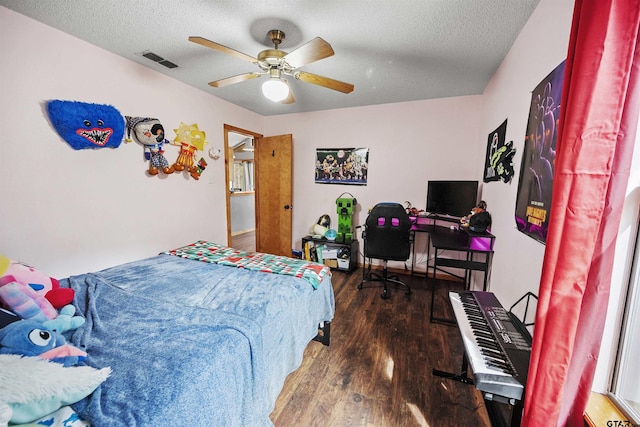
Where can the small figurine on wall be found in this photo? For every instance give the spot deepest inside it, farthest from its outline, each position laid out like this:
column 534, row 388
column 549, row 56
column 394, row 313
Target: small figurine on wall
column 201, row 166
column 190, row 139
column 149, row 133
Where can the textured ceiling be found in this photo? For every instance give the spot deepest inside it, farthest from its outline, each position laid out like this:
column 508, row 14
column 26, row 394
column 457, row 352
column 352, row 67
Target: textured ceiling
column 392, row 51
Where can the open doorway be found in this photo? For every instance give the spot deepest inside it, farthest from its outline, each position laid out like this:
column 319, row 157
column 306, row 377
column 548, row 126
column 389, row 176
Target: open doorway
column 240, row 187
column 272, row 195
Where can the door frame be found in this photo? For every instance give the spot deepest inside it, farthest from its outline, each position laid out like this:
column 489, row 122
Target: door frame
column 227, row 163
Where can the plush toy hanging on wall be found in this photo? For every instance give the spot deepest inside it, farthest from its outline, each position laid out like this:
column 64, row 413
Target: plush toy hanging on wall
column 149, row 133
column 200, row 167
column 190, row 139
column 83, row 125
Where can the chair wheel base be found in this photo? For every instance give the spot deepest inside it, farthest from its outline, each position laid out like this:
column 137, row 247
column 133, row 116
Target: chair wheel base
column 385, row 294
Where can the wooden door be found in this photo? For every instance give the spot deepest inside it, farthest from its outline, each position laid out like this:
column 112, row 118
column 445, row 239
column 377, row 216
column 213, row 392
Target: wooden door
column 274, row 194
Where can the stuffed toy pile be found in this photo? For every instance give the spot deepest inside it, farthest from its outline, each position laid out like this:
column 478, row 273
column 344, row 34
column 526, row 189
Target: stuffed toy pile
column 38, row 372
column 29, row 293
column 479, row 220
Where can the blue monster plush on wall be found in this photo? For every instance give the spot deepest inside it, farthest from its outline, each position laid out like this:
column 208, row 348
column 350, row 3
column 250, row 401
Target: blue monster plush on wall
column 85, row 125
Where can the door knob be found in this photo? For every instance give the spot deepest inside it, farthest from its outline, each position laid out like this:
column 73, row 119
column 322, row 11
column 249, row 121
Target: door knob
column 287, row 207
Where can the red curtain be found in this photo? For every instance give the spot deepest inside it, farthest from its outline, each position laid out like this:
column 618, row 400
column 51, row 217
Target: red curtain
column 597, row 129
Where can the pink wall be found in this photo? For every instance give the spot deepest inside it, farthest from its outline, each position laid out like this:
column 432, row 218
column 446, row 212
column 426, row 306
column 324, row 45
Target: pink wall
column 540, row 47
column 409, row 143
column 69, row 211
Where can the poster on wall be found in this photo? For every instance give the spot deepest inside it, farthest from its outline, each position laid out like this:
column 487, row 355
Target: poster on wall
column 342, row 166
column 533, row 202
column 498, row 164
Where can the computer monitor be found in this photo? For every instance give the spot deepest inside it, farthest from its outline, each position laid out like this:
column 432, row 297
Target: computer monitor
column 454, row 198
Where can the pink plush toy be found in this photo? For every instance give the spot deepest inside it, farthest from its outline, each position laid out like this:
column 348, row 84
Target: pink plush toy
column 25, row 302
column 43, row 285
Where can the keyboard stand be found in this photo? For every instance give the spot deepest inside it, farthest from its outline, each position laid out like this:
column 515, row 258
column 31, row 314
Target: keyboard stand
column 461, row 377
column 504, row 409
column 492, row 402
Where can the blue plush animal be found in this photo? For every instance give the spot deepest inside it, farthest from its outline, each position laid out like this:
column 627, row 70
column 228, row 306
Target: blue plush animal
column 66, row 321
column 33, row 338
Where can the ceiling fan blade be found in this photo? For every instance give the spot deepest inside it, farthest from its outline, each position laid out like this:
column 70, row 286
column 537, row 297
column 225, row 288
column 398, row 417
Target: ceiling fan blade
column 309, row 52
column 235, row 79
column 289, row 99
column 324, row 82
column 220, row 48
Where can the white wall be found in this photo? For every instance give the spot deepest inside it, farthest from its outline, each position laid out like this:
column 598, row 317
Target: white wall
column 68, row 211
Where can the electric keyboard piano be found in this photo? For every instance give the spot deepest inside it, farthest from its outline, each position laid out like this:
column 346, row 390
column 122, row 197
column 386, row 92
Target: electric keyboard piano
column 498, row 347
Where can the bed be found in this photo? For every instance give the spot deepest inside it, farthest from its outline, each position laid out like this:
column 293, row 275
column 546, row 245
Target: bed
column 200, row 335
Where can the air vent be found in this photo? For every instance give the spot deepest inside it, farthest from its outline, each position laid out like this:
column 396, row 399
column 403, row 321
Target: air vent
column 159, row 59
column 152, row 56
column 168, row 64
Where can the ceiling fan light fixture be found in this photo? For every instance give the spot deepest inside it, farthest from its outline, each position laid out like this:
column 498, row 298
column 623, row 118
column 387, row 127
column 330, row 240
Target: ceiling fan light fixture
column 277, row 63
column 275, row 89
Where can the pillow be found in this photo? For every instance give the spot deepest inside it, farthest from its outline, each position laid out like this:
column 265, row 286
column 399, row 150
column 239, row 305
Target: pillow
column 33, row 387
column 63, row 417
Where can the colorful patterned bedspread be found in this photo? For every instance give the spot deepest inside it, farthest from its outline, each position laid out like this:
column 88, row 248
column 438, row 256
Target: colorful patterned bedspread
column 223, row 255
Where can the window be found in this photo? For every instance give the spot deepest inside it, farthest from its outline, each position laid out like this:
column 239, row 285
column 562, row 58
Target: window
column 625, row 389
column 242, row 176
column 241, row 170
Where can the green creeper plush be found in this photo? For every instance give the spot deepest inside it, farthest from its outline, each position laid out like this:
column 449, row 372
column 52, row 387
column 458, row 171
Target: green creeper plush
column 345, row 208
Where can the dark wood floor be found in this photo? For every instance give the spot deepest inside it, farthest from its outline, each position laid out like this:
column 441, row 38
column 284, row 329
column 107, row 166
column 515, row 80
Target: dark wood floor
column 378, row 369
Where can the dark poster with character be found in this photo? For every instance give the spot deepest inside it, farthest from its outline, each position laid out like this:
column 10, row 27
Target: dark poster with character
column 342, row 166
column 498, row 163
column 533, row 202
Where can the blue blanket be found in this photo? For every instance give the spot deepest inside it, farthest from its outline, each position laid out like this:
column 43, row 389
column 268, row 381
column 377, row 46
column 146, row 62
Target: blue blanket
column 192, row 343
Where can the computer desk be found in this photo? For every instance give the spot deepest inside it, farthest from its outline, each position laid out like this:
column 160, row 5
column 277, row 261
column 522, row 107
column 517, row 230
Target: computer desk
column 457, row 239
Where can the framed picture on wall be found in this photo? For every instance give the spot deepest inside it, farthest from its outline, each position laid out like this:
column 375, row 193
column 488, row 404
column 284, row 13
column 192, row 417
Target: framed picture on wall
column 498, row 160
column 342, row 166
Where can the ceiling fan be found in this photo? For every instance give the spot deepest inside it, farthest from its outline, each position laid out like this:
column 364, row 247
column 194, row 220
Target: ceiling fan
column 276, row 64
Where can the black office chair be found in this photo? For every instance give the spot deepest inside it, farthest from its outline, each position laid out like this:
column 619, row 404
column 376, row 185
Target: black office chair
column 387, row 237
